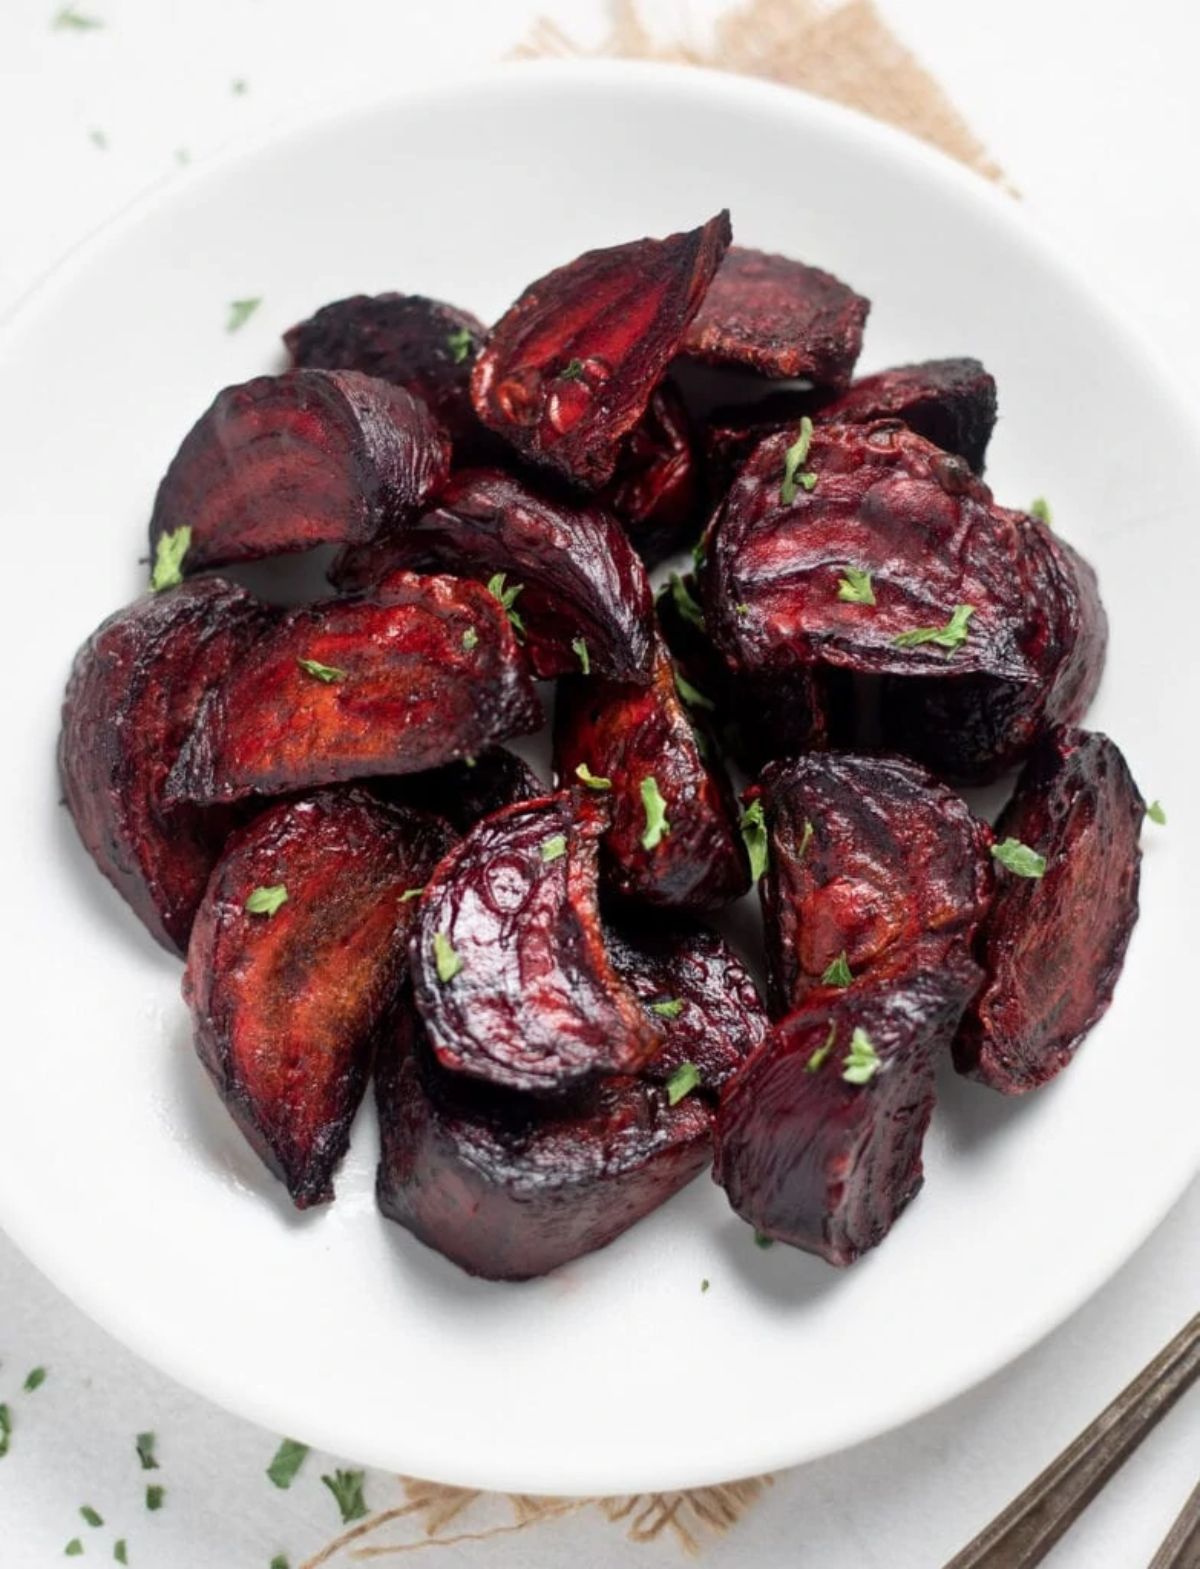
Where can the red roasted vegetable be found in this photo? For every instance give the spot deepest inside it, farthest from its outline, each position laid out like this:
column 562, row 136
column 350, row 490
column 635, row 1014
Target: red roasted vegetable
column 462, row 793
column 510, row 970
column 1065, row 907
column 570, row 368
column 134, row 691
column 656, row 490
column 280, row 463
column 295, row 958
column 424, row 671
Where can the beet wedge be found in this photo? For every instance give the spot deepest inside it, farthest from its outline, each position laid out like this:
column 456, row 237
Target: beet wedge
column 657, row 490
column 510, row 971
column 577, row 590
column 570, row 368
column 866, row 858
column 819, row 1135
column 134, row 692
column 1055, row 940
column 296, row 956
column 673, row 840
column 421, row 673
column 281, row 463
column 462, row 793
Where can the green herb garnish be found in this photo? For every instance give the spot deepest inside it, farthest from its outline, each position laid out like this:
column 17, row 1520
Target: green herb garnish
column 279, row 1561
column 469, row 639
column 808, row 480
column 73, row 1548
column 121, row 1552
column 1019, row 858
column 240, row 312
column 35, row 1379
column 154, row 1496
column 754, row 834
column 684, row 601
column 819, row 1057
column 69, row 17
column 854, row 587
column 554, row 847
column 682, row 1082
column 144, row 1443
column 741, row 608
column 657, row 826
column 593, row 781
column 1156, row 814
column 445, row 959
column 5, row 1430
column 459, row 343
column 704, row 1285
column 690, row 695
column 347, row 1488
column 92, row 1517
column 580, row 649
column 320, row 672
column 796, row 455
column 838, row 973
column 947, row 637
column 289, row 1457
column 862, row 1060
column 266, row 901
column 508, row 598
column 98, row 139
column 670, row 1009
column 805, row 840
column 169, row 552
column 761, row 1240
column 572, row 371
column 1039, row 508
column 411, row 893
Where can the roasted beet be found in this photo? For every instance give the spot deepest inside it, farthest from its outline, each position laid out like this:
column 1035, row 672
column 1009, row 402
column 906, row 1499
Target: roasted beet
column 656, row 491
column 779, row 318
column 950, row 402
column 1054, row 943
column 424, row 671
column 509, row 1189
column 310, row 457
column 569, row 369
column 731, row 432
column 295, row 958
column 578, row 591
column 134, row 691
column 462, row 793
column 819, row 1135
column 673, row 839
column 876, row 555
column 867, row 857
column 509, row 965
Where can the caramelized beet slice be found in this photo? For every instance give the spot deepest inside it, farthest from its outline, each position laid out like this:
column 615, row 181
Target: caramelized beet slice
column 462, row 793
column 421, row 673
column 310, row 457
column 134, row 691
column 571, row 366
column 575, row 575
column 510, row 1189
column 1053, row 946
column 867, row 858
column 780, row 318
column 950, row 402
column 674, row 839
column 509, row 965
column 977, row 627
column 656, row 491
column 295, row 958
column 819, row 1135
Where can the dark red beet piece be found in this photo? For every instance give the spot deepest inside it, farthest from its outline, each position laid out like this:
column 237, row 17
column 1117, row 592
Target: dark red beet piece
column 824, row 1162
column 642, row 740
column 867, row 858
column 288, row 994
column 570, row 368
column 656, row 491
column 779, row 318
column 1053, row 947
column 134, row 691
column 1012, row 632
column 950, row 402
column 578, row 576
column 421, row 673
column 462, row 793
column 310, row 457
column 510, row 970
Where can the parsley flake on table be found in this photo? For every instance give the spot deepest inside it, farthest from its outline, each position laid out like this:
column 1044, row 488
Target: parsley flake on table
column 279, row 1561
column 34, row 1379
column 1157, row 814
column 73, row 1548
column 320, row 672
column 682, row 1082
column 347, row 1488
column 761, row 1240
column 855, row 587
column 154, row 1496
column 820, row 1057
column 838, row 973
column 862, row 1060
column 657, row 826
column 240, row 312
column 120, row 1551
column 289, row 1457
column 266, row 901
column 169, row 552
column 70, row 19
column 593, row 781
column 92, row 1516
column 144, row 1443
column 754, row 835
column 704, row 1285
column 580, row 649
column 446, row 961
column 669, row 1008
column 1019, row 858
column 554, row 847
column 5, row 1430
column 948, row 637
column 459, row 344
column 796, row 454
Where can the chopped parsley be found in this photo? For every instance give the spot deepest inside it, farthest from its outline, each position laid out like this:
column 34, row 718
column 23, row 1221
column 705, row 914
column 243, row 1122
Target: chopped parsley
column 266, row 901
column 91, row 1515
column 754, row 834
column 554, row 847
column 657, row 826
column 76, row 21
column 862, row 1060
column 1039, row 508
column 459, row 343
column 169, row 552
column 5, row 1430
column 761, row 1240
column 838, row 973
column 469, row 639
column 819, row 1057
column 120, row 1552
column 704, row 1285
column 507, row 598
column 320, row 672
column 73, row 1548
column 279, row 1561
column 593, row 781
column 855, row 588
column 670, row 1008
column 947, row 637
column 805, row 840
column 808, row 480
column 682, row 1082
column 411, row 893
column 144, row 1442
column 684, row 600
column 289, row 1457
column 580, row 649
column 741, row 608
column 154, row 1496
column 98, row 139
column 1019, row 858
column 690, row 695
column 572, row 370
column 796, row 455
column 446, row 961
column 1156, row 814
column 240, row 312
column 35, row 1379
column 347, row 1488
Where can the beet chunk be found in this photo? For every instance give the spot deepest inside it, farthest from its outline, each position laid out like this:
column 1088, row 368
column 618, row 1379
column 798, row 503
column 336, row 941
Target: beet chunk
column 780, row 318
column 509, row 1189
column 1053, row 946
column 867, row 858
column 656, row 491
column 673, row 839
column 295, row 958
column 510, row 970
column 573, row 576
column 424, row 671
column 977, row 627
column 135, row 688
column 462, row 793
column 310, row 457
column 570, row 368
column 828, row 1162
column 950, row 402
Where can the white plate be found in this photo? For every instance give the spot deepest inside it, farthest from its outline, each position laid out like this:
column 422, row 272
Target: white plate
column 120, row 1174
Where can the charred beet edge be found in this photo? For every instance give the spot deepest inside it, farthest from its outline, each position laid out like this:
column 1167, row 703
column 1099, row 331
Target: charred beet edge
column 310, row 457
column 1053, row 945
column 510, row 970
column 673, row 839
column 421, row 673
column 819, row 1135
column 656, row 491
column 868, row 857
column 294, row 961
column 569, row 370
column 873, row 554
column 135, row 689
column 462, row 793
column 779, row 318
column 581, row 593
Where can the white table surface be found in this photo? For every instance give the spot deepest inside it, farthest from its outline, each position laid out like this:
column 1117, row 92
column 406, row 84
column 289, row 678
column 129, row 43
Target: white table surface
column 1094, row 113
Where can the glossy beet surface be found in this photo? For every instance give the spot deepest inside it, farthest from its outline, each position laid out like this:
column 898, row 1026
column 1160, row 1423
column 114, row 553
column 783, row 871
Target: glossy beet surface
column 657, row 490
column 287, row 993
column 510, row 969
column 462, row 793
column 1053, row 946
column 950, row 402
column 570, row 368
column 780, row 318
column 135, row 688
column 868, row 857
column 422, row 672
column 969, row 697
column 310, row 457
column 822, row 1161
column 575, row 576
